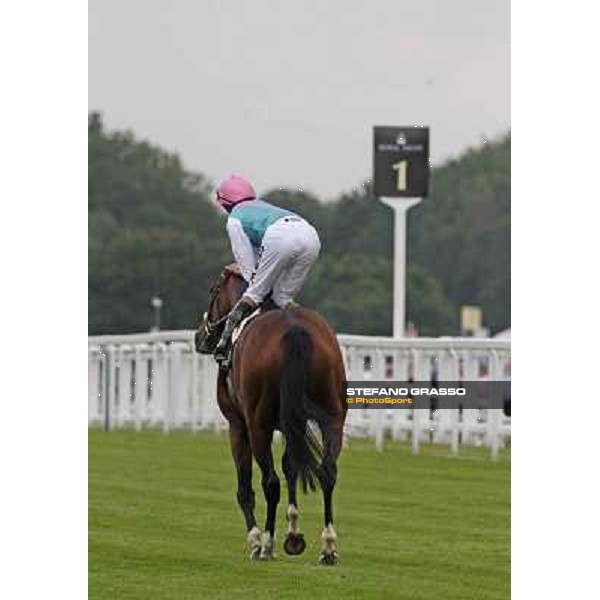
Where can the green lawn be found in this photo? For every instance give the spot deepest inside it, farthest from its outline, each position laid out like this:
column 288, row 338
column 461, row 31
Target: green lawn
column 164, row 523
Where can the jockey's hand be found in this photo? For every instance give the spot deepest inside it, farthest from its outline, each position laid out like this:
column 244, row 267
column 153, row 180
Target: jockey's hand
column 248, row 301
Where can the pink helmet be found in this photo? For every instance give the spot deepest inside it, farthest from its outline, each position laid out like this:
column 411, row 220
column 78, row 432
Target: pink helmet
column 234, row 190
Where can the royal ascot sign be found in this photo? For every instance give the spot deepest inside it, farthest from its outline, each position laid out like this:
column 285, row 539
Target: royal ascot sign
column 401, row 161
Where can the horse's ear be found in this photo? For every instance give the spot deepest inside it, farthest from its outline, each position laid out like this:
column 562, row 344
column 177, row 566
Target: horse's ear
column 232, row 269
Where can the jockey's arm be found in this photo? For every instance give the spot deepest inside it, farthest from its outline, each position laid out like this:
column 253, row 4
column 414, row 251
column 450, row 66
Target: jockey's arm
column 242, row 248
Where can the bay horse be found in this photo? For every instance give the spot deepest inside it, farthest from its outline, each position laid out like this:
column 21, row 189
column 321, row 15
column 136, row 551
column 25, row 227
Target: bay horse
column 286, row 374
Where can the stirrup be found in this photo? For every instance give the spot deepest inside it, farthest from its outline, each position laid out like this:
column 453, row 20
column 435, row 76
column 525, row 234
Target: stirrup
column 236, row 316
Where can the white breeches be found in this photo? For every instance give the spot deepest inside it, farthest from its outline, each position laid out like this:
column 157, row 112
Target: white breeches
column 289, row 249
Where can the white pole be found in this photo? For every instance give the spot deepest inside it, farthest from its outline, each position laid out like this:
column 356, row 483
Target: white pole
column 400, row 207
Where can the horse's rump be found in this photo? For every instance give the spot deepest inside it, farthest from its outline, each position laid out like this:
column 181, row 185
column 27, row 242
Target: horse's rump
column 289, row 369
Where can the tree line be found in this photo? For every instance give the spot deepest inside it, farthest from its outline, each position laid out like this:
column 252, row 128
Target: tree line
column 154, row 230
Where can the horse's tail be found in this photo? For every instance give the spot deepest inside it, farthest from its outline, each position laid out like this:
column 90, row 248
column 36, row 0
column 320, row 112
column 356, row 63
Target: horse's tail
column 302, row 445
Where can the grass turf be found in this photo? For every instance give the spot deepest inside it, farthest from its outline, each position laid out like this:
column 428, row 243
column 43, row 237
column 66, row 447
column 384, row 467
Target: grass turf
column 164, row 523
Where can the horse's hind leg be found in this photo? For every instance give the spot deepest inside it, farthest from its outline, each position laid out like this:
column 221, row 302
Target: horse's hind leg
column 240, row 448
column 294, row 540
column 328, row 477
column 272, row 490
column 329, row 555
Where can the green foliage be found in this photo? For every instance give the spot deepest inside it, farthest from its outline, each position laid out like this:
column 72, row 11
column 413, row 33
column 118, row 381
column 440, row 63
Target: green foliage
column 461, row 234
column 143, row 186
column 154, row 230
column 174, row 264
column 427, row 305
column 353, row 291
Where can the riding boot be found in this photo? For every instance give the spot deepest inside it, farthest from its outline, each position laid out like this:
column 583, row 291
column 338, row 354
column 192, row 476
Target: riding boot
column 240, row 311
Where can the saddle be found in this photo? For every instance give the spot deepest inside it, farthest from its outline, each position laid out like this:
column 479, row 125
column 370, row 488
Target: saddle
column 265, row 306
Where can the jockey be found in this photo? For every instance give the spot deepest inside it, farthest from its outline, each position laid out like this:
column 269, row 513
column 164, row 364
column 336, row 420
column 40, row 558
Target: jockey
column 274, row 248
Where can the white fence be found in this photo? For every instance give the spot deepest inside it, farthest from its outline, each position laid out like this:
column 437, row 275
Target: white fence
column 157, row 380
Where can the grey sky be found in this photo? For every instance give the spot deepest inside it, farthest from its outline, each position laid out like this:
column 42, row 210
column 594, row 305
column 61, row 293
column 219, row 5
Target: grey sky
column 286, row 93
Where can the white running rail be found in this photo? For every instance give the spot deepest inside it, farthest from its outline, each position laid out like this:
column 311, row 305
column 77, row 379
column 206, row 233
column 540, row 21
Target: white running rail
column 157, row 380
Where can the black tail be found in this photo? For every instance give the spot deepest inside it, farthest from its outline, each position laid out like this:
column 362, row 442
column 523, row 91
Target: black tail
column 302, row 445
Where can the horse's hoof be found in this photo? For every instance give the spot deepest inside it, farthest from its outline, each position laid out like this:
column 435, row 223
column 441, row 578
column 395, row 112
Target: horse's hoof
column 254, row 544
column 294, row 544
column 267, row 551
column 267, row 554
column 329, row 558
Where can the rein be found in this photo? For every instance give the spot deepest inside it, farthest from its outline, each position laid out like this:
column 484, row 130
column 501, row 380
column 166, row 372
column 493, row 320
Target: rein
column 213, row 329
column 210, row 328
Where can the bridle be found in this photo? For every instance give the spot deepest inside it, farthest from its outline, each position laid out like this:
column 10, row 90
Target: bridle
column 213, row 329
column 209, row 330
